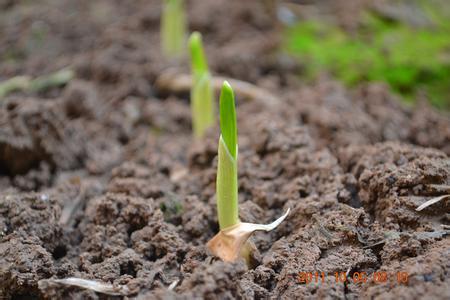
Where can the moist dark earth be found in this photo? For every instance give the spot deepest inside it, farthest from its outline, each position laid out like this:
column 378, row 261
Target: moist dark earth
column 101, row 178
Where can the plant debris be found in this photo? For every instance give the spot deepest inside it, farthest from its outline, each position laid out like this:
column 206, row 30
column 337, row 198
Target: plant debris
column 96, row 286
column 431, row 202
column 39, row 84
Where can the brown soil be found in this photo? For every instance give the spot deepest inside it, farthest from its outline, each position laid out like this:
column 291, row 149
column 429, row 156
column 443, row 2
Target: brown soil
column 101, row 180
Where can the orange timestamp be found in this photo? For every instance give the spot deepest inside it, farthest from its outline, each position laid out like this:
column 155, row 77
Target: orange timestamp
column 356, row 277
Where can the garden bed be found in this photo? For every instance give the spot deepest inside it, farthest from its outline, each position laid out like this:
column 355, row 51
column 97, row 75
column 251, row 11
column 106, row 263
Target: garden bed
column 101, row 179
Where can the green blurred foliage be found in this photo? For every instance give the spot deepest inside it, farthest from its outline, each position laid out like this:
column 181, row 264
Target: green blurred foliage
column 409, row 59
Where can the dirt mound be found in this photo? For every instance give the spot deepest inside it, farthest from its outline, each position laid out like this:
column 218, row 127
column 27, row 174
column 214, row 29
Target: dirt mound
column 102, row 180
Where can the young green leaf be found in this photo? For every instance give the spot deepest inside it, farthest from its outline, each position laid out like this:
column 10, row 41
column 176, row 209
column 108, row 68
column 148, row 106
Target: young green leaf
column 227, row 184
column 228, row 125
column 199, row 63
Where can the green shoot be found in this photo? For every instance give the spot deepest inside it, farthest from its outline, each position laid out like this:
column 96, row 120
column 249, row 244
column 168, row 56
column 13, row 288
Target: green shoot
column 232, row 242
column 227, row 185
column 199, row 64
column 202, row 110
column 228, row 119
column 173, row 28
column 201, row 93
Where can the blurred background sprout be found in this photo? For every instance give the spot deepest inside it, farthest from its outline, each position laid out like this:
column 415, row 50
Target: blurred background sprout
column 173, row 28
column 202, row 105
